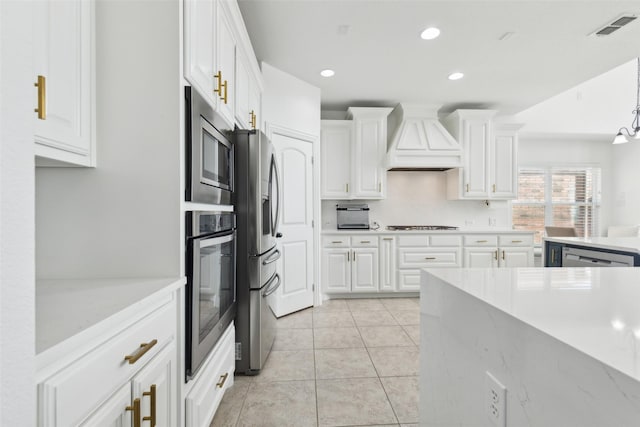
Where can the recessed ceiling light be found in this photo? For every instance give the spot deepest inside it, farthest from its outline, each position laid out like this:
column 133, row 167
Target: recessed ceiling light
column 456, row 76
column 327, row 73
column 430, row 33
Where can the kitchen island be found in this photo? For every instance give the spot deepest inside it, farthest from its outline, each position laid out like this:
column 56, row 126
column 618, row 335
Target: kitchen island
column 564, row 342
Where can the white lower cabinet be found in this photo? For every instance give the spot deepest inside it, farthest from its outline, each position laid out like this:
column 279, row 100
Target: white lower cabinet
column 498, row 251
column 387, row 279
column 350, row 264
column 364, row 270
column 128, row 376
column 213, row 379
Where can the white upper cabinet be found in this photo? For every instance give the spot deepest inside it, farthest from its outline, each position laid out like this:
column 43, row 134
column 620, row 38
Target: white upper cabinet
column 490, row 157
column 336, row 137
column 248, row 94
column 63, row 78
column 353, row 153
column 199, row 47
column 225, row 58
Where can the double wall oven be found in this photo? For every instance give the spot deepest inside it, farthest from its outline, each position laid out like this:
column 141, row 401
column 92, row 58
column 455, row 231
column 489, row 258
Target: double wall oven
column 210, row 267
column 257, row 199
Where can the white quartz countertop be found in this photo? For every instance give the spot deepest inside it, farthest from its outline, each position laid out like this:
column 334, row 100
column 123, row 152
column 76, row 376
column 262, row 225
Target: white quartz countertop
column 594, row 310
column 65, row 308
column 626, row 244
column 494, row 230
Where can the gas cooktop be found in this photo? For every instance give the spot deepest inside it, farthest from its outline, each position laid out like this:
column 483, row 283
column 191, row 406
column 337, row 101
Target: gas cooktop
column 419, row 227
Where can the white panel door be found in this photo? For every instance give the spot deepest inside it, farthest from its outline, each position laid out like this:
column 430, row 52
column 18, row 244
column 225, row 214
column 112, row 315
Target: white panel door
column 336, row 137
column 480, row 257
column 387, row 264
column 516, row 257
column 113, row 412
column 336, row 270
column 62, row 54
column 476, row 151
column 364, row 270
column 156, row 381
column 369, row 151
column 199, row 47
column 504, row 165
column 296, row 223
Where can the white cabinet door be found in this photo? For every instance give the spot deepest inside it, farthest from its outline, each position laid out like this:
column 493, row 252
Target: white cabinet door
column 408, row 280
column 336, row 270
column 199, row 47
column 336, row 137
column 63, row 44
column 504, row 163
column 369, row 151
column 113, row 413
column 255, row 105
column 480, row 257
column 364, row 267
column 156, row 385
column 225, row 58
column 476, row 152
column 516, row 257
column 387, row 264
column 243, row 118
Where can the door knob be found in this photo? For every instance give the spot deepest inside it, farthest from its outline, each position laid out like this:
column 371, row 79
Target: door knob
column 278, row 235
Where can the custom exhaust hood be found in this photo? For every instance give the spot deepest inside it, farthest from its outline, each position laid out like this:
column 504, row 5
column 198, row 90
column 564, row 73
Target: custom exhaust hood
column 417, row 141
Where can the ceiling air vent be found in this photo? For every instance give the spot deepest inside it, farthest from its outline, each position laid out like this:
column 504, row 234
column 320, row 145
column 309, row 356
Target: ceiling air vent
column 615, row 25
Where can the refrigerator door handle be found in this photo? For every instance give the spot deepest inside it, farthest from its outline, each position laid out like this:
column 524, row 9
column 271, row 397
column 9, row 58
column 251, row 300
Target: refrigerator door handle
column 274, row 180
column 270, row 287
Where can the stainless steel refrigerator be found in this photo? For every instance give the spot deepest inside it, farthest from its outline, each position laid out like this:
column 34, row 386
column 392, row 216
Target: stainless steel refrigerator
column 257, row 195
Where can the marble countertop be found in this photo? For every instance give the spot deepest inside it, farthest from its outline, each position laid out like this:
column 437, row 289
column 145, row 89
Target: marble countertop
column 626, row 244
column 382, row 230
column 594, row 310
column 64, row 308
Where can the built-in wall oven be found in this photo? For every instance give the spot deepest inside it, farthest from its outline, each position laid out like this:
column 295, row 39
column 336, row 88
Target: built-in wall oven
column 209, row 153
column 211, row 282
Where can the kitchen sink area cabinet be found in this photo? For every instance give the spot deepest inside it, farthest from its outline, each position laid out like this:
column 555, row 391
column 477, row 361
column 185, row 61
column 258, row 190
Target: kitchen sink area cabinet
column 350, row 264
column 353, row 153
column 483, row 251
column 490, row 157
column 64, row 92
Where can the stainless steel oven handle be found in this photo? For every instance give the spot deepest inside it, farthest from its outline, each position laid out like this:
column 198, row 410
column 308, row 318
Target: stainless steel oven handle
column 273, row 258
column 205, row 243
column 271, row 288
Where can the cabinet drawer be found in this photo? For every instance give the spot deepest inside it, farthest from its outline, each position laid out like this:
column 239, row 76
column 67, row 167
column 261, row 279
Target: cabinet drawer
column 428, row 257
column 408, row 280
column 101, row 371
column 336, row 241
column 516, row 240
column 364, row 241
column 211, row 382
column 445, row 240
column 481, row 240
column 418, row 240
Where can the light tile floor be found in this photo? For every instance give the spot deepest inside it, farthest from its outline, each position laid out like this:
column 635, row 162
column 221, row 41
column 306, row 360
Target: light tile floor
column 347, row 363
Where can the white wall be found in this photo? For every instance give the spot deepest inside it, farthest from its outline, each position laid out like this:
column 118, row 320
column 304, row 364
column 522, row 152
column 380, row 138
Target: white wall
column 123, row 217
column 419, row 198
column 626, row 176
column 17, row 289
column 565, row 151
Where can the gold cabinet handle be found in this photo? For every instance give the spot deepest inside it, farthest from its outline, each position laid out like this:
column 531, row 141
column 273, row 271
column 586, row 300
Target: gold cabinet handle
column 348, row 256
column 481, row 241
column 144, row 347
column 430, row 258
column 365, row 241
column 494, row 188
column 225, row 87
column 41, row 84
column 387, row 238
column 152, row 403
column 379, row 187
column 337, row 241
column 135, row 412
column 503, row 255
column 218, row 77
column 516, row 241
column 354, row 256
column 347, row 187
column 223, row 379
column 252, row 119
column 495, row 255
column 255, row 118
column 467, row 188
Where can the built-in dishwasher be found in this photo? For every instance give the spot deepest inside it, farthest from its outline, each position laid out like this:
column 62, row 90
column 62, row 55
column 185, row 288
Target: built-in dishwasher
column 574, row 257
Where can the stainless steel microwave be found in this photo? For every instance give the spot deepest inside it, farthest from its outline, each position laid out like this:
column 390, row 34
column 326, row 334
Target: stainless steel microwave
column 209, row 153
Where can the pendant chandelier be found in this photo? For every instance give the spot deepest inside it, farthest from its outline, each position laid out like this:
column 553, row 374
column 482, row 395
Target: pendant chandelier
column 623, row 133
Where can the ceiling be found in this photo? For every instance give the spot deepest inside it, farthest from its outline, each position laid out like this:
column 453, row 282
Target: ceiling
column 381, row 60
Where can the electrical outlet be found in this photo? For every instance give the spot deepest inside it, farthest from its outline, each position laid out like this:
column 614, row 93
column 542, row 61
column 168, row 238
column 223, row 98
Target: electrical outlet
column 495, row 401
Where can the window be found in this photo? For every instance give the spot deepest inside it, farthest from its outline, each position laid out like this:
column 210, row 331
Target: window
column 557, row 196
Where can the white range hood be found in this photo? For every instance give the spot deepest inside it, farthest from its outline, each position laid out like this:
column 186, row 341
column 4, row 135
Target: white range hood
column 418, row 141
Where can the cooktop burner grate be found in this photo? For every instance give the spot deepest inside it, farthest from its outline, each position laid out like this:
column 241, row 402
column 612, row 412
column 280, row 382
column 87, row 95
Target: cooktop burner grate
column 419, row 227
